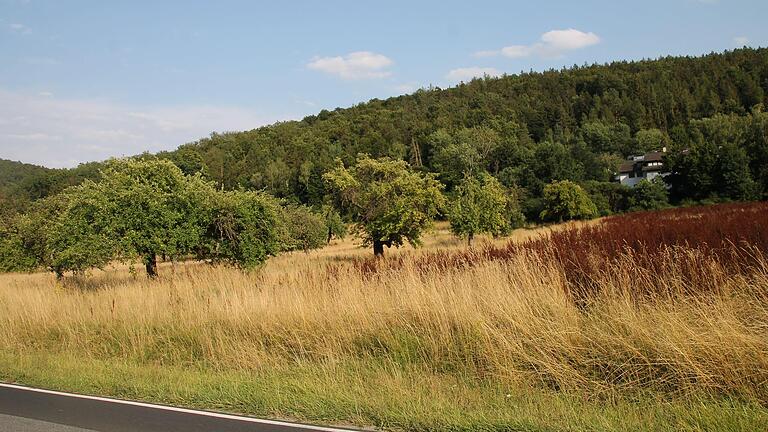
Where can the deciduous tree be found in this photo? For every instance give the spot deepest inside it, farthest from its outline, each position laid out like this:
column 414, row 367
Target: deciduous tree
column 388, row 202
column 481, row 205
column 565, row 200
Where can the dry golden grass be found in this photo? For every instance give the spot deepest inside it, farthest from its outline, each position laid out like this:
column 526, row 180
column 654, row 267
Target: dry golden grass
column 507, row 322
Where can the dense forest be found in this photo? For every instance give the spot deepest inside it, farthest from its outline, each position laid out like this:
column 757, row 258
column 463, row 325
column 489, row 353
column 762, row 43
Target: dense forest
column 526, row 130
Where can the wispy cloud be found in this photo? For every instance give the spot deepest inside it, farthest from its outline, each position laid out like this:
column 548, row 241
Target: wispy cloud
column 552, row 44
column 467, row 73
column 43, row 129
column 19, row 28
column 355, row 65
column 741, row 41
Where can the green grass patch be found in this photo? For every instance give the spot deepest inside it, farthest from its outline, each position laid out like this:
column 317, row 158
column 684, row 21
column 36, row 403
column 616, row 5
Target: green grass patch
column 391, row 397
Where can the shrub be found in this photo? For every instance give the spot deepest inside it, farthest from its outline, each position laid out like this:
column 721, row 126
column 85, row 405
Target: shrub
column 565, row 200
column 305, row 230
column 650, row 195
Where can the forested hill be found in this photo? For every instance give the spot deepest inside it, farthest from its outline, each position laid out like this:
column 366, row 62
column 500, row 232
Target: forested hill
column 13, row 173
column 16, row 182
column 527, row 130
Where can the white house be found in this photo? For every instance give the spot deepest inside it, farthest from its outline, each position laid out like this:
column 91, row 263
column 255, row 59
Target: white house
column 644, row 167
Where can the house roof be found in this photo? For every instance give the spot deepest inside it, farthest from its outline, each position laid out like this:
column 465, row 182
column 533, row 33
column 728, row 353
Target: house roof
column 653, row 157
column 626, row 167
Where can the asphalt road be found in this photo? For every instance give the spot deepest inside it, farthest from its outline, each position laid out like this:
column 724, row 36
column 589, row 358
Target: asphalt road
column 24, row 409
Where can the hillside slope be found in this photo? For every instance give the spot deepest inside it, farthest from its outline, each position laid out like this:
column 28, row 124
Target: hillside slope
column 529, row 129
column 14, row 173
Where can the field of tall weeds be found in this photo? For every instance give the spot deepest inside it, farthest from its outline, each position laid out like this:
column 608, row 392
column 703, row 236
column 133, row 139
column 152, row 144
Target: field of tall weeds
column 673, row 302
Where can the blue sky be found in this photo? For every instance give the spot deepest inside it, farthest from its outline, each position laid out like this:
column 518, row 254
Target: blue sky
column 87, row 80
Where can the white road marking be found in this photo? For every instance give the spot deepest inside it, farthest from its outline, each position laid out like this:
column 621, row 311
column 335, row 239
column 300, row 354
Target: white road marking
column 180, row 410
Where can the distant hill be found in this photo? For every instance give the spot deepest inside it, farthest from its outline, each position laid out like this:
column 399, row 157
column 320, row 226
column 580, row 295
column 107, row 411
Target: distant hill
column 14, row 173
column 575, row 123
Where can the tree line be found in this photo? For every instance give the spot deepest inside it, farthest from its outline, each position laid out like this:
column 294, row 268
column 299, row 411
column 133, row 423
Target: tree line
column 143, row 209
column 522, row 142
column 526, row 130
column 140, row 210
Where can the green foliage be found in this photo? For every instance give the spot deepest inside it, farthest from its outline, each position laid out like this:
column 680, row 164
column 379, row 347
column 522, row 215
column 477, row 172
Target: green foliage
column 151, row 208
column 649, row 140
column 650, row 195
column 466, row 152
column 306, row 230
column 721, row 158
column 565, row 200
column 79, row 238
column 756, row 146
column 482, row 205
column 188, row 159
column 609, row 198
column 527, row 130
column 244, row 229
column 145, row 208
column 334, row 224
column 604, row 137
column 23, row 238
column 388, row 202
column 13, row 255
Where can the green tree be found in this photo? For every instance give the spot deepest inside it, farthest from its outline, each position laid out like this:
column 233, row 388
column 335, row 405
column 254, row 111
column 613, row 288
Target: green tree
column 388, row 202
column 732, row 176
column 26, row 238
column 651, row 140
column 188, row 159
column 650, row 195
column 139, row 209
column 757, row 149
column 78, row 238
column 244, row 229
column 481, row 205
column 466, row 152
column 334, row 223
column 306, row 230
column 13, row 255
column 609, row 198
column 565, row 200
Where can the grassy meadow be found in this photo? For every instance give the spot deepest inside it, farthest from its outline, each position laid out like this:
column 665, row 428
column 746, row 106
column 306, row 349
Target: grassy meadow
column 650, row 321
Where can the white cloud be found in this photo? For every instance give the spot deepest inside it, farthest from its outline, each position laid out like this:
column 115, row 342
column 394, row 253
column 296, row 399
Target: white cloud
column 554, row 43
column 356, row 65
column 571, row 39
column 56, row 132
column 19, row 28
column 467, row 73
column 515, row 51
column 741, row 41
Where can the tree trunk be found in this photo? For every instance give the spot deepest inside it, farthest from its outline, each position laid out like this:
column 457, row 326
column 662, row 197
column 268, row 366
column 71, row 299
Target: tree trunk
column 330, row 235
column 150, row 262
column 378, row 248
column 469, row 239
